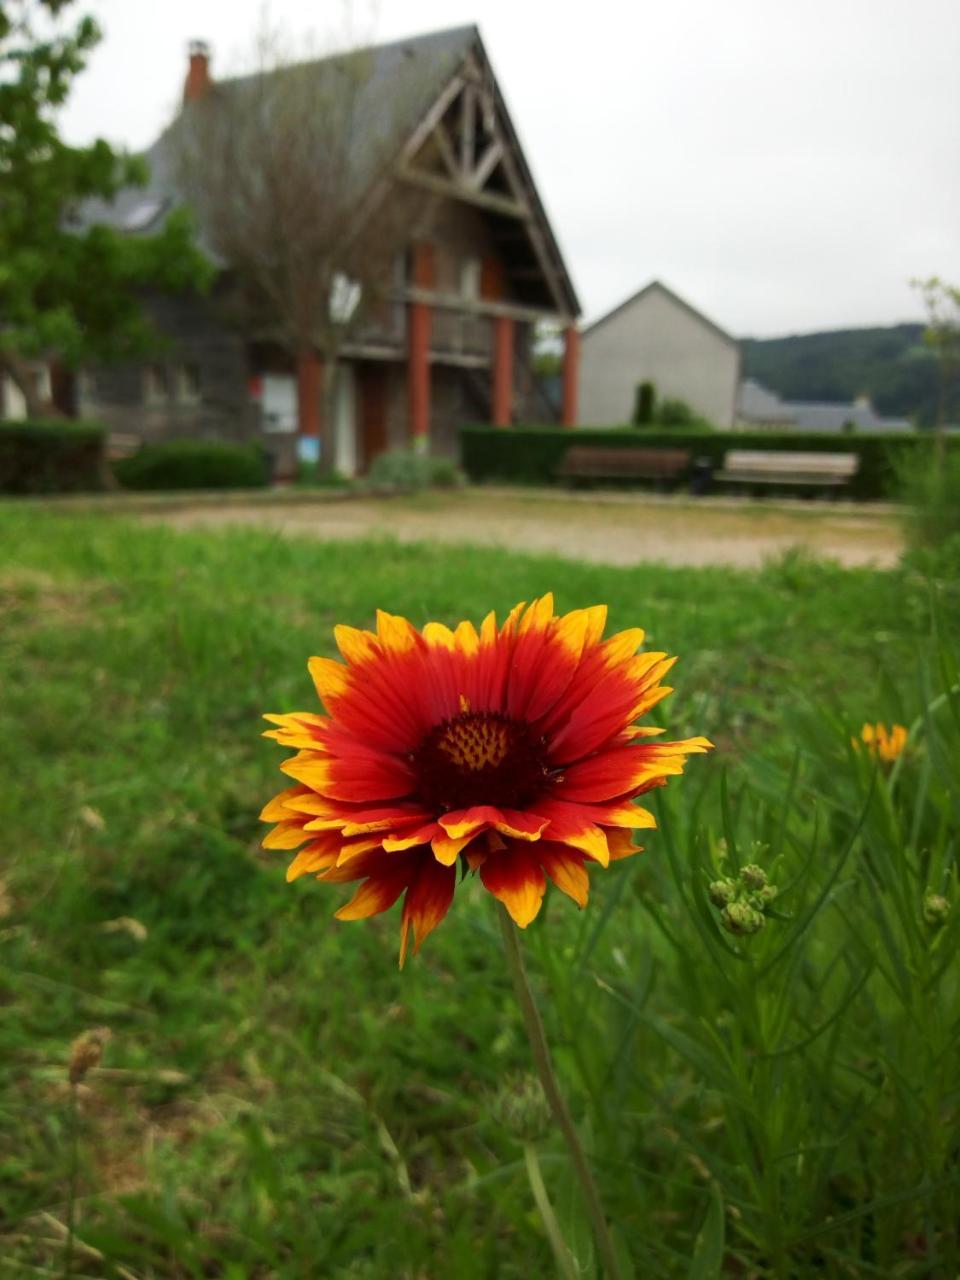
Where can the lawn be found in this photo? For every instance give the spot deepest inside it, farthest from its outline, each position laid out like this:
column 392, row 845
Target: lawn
column 277, row 1100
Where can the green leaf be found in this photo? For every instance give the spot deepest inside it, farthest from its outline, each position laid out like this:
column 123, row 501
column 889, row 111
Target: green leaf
column 707, row 1260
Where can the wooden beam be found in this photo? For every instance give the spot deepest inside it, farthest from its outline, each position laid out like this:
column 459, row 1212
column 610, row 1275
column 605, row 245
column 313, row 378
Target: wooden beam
column 540, row 246
column 459, row 191
column 474, row 306
column 459, row 359
column 468, row 129
column 486, row 164
column 432, row 119
column 373, row 351
column 381, row 188
column 446, row 150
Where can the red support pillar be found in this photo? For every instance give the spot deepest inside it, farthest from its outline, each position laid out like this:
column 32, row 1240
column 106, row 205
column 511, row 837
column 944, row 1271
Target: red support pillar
column 309, row 380
column 419, row 323
column 571, row 375
column 502, row 371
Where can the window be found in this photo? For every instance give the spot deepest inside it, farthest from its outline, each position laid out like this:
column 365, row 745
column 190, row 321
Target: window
column 142, row 214
column 278, row 403
column 470, row 279
column 156, row 384
column 345, row 297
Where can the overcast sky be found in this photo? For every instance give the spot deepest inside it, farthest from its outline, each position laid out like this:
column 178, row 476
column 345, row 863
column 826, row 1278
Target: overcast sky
column 783, row 166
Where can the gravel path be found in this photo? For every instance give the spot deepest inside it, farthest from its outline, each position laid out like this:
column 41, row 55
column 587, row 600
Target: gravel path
column 617, row 529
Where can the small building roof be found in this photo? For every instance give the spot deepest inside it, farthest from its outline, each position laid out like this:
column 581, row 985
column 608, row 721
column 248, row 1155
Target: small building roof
column 659, row 286
column 758, row 404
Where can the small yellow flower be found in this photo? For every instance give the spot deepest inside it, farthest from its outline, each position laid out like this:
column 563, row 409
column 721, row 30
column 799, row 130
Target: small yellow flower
column 887, row 745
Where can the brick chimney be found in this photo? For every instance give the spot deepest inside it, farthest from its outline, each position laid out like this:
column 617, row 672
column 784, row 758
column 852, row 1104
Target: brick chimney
column 198, row 75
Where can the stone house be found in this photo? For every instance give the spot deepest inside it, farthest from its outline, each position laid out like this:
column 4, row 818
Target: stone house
column 655, row 336
column 452, row 343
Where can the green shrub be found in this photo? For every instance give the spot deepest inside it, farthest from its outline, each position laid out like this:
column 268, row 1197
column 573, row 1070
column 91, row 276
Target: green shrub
column 404, row 469
column 51, row 457
column 931, row 491
column 644, row 404
column 675, row 413
column 194, row 464
column 310, row 476
column 531, row 455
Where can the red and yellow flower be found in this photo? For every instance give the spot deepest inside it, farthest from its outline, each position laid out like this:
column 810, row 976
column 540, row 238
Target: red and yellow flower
column 512, row 750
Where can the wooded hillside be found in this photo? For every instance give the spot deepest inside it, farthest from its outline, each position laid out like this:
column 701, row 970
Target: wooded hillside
column 892, row 366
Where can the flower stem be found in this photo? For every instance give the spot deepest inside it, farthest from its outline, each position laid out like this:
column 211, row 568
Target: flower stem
column 561, row 1252
column 74, row 1160
column 551, row 1087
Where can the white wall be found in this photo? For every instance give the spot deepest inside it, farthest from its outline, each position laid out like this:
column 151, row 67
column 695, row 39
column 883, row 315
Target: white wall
column 658, row 339
column 13, row 406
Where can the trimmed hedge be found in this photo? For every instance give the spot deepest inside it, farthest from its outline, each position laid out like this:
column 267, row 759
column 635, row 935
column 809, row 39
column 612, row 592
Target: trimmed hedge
column 55, row 456
column 194, row 464
column 532, row 455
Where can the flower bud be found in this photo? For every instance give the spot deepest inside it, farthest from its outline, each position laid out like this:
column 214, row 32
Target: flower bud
column 740, row 918
column 763, row 897
column 722, row 892
column 522, row 1109
column 936, row 908
column 752, row 876
column 86, row 1052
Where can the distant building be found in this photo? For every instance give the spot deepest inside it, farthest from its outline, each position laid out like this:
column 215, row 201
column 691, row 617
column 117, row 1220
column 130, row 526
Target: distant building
column 759, row 407
column 657, row 337
column 452, row 342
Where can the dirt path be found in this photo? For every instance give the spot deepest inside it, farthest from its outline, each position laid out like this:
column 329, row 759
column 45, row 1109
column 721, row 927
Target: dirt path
column 603, row 528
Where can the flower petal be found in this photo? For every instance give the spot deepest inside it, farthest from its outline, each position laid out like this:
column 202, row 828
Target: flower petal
column 318, row 855
column 356, row 646
column 516, row 878
column 420, row 835
column 285, row 835
column 377, row 894
column 330, row 678
column 427, row 902
column 575, row 825
column 446, row 849
column 566, row 869
column 364, row 774
column 278, row 809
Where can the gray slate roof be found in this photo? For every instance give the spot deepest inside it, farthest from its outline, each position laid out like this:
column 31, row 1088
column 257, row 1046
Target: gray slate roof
column 757, row 404
column 404, row 78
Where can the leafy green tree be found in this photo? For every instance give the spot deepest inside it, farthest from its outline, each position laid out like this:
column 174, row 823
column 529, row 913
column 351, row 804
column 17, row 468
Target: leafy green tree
column 68, row 293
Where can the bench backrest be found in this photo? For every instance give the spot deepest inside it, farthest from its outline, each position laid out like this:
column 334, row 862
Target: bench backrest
column 584, row 457
column 782, row 462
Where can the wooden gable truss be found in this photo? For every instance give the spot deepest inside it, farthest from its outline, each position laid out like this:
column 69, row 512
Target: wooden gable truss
column 465, row 148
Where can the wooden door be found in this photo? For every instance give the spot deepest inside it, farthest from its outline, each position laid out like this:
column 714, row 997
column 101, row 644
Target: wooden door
column 371, row 413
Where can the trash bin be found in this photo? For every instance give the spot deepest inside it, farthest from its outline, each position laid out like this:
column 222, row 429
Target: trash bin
column 701, row 473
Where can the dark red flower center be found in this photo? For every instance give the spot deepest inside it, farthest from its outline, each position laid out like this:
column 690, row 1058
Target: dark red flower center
column 479, row 758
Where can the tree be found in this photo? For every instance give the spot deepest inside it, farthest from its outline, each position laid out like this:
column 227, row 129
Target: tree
column 942, row 336
column 67, row 293
column 286, row 171
column 644, row 403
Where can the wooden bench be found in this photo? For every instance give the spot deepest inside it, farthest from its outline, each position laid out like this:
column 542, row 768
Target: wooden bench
column 122, row 444
column 600, row 462
column 817, row 470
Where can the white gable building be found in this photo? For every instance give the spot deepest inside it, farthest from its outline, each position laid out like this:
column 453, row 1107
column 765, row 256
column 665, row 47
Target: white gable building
column 657, row 337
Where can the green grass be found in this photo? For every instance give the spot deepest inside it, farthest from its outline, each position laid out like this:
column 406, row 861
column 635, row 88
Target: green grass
column 774, row 1106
